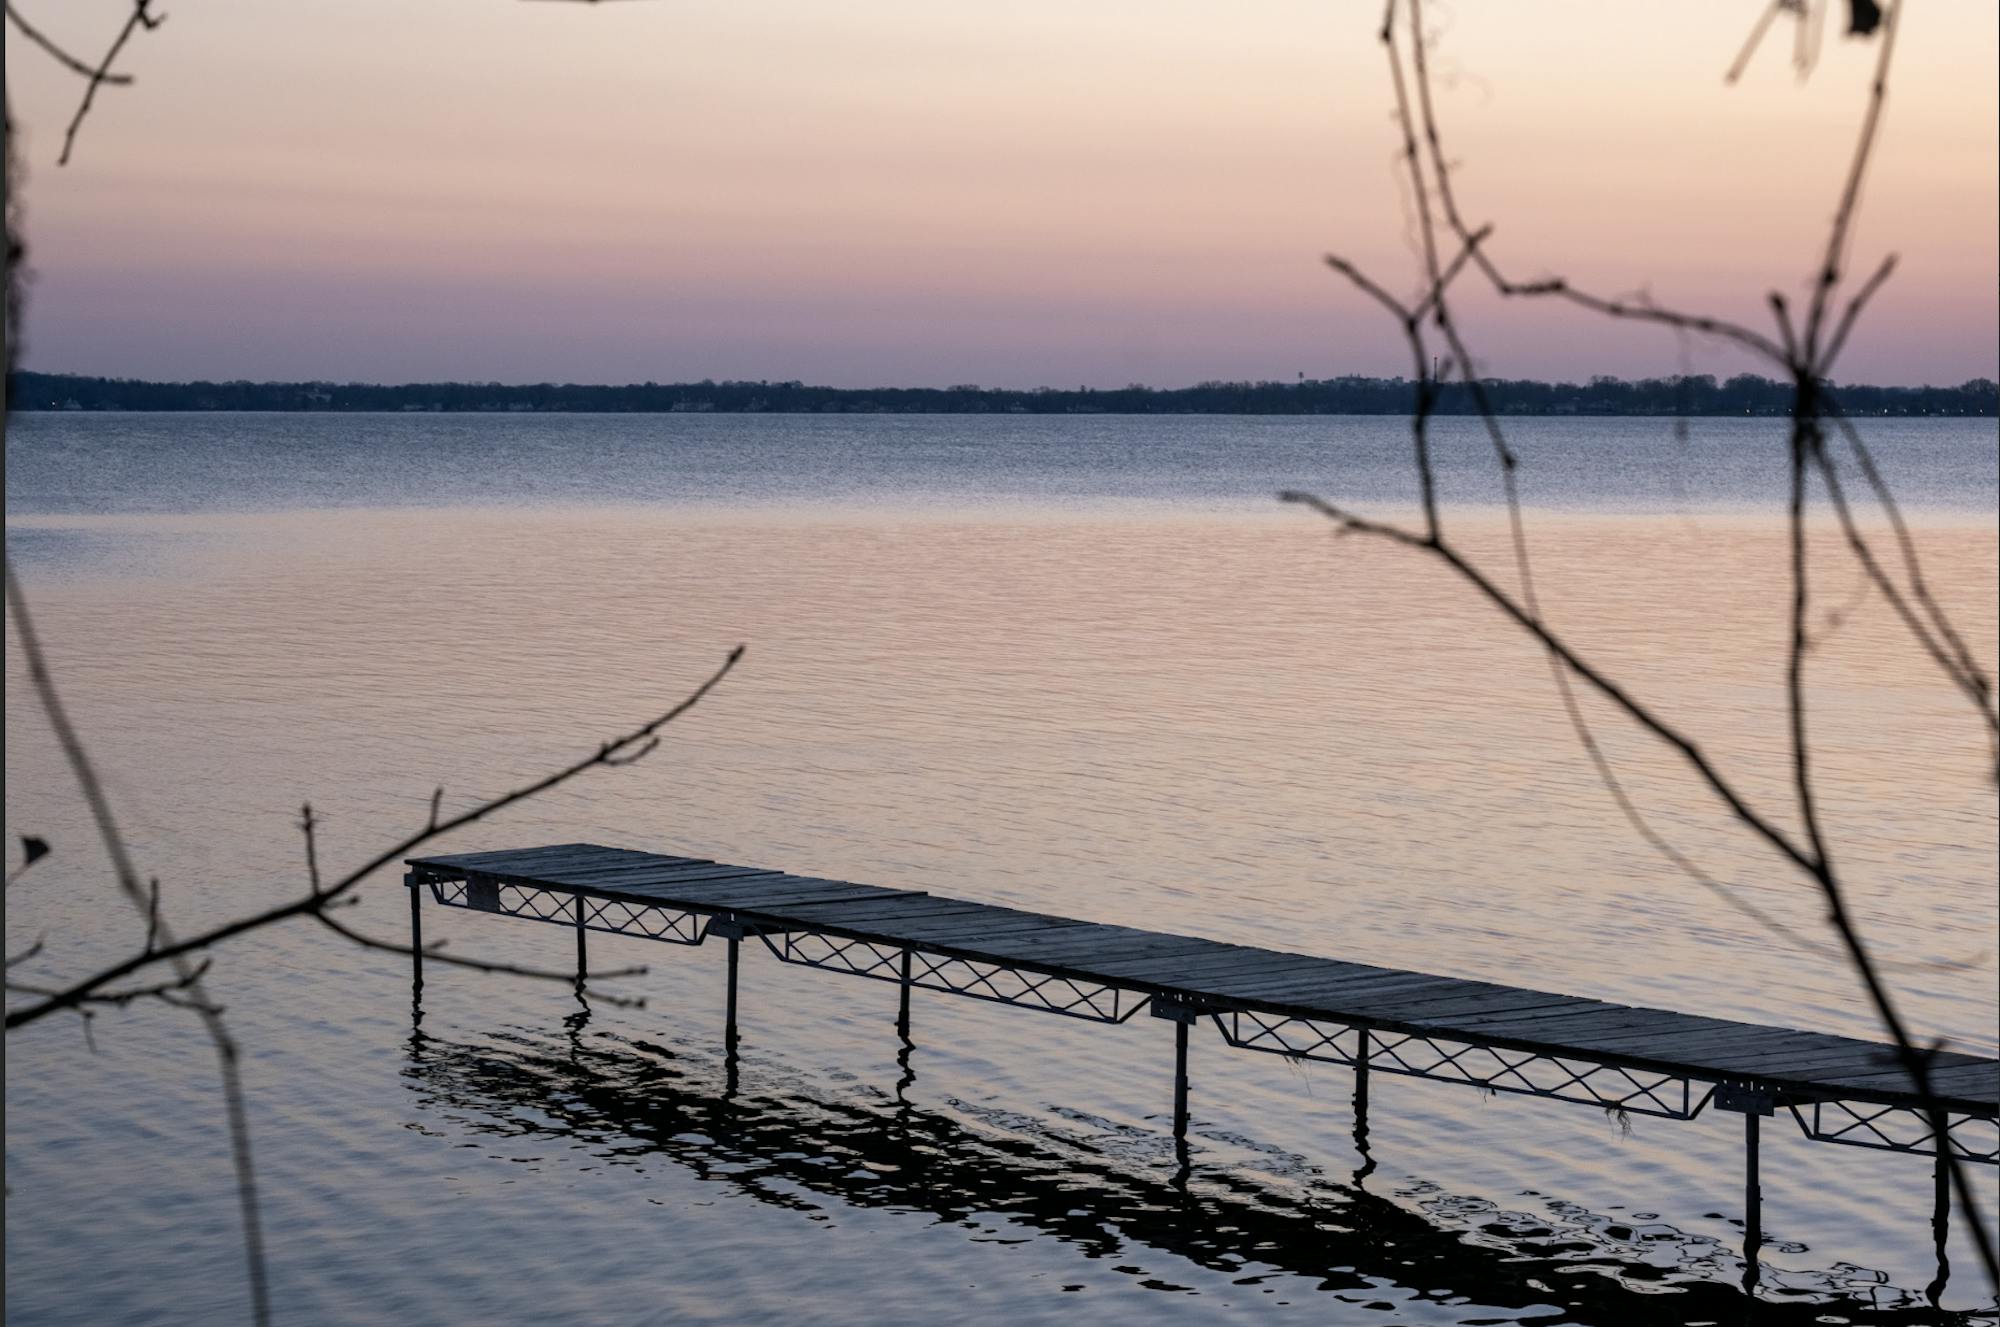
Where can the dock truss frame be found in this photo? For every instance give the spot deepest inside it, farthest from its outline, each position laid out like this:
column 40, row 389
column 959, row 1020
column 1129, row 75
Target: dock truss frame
column 1608, row 1083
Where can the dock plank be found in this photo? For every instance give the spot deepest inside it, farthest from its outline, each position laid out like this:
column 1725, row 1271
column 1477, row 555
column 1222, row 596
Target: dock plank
column 1094, row 941
column 770, row 897
column 1197, row 973
column 867, row 912
column 961, row 930
column 614, row 876
column 1968, row 1082
column 530, row 862
column 596, row 866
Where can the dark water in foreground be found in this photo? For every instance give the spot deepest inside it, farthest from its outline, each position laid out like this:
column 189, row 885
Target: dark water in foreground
column 1104, row 682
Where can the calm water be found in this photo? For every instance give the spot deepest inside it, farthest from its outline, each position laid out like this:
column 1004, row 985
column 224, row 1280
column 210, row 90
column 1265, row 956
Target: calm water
column 1075, row 664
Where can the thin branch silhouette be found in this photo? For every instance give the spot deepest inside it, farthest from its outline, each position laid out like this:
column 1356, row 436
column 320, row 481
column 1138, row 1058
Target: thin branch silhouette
column 184, row 989
column 1932, row 631
column 1805, row 353
column 1972, row 678
column 1853, row 312
column 141, row 17
column 185, row 957
column 61, row 56
column 187, row 976
column 435, row 952
column 309, row 826
column 1756, row 38
column 127, row 994
column 317, row 899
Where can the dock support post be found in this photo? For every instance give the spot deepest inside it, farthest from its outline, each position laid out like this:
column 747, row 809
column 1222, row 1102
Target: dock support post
column 416, row 928
column 582, row 971
column 1753, row 1202
column 1941, row 1221
column 729, row 1029
column 903, row 1006
column 1180, row 1083
column 1361, row 1053
column 1180, row 1012
column 1363, row 1049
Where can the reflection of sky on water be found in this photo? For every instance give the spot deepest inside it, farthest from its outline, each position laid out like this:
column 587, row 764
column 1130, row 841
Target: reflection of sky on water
column 1172, row 717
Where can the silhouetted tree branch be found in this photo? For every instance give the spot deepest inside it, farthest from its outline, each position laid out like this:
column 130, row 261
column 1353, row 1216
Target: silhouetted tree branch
column 184, row 988
column 139, row 18
column 187, row 975
column 319, row 897
column 61, row 56
column 1805, row 355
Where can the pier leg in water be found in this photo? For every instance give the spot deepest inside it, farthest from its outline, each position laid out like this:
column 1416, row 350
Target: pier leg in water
column 729, row 1017
column 1941, row 1224
column 903, row 1007
column 582, row 971
column 1367, row 1166
column 1180, row 1015
column 1180, row 1091
column 1753, row 1204
column 732, row 931
column 416, row 931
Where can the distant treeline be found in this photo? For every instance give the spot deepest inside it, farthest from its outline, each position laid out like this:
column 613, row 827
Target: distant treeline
column 1745, row 394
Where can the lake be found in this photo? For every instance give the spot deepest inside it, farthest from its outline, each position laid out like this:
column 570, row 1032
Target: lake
column 1078, row 664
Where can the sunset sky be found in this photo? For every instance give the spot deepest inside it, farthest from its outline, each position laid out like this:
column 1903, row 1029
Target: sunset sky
column 889, row 192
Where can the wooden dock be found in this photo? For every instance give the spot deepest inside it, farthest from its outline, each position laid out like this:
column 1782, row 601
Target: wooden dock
column 1376, row 1020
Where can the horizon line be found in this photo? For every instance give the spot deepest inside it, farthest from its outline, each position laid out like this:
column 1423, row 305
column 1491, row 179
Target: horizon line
column 794, row 384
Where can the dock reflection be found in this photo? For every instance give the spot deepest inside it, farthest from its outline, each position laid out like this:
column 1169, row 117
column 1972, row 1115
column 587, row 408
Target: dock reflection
column 792, row 1143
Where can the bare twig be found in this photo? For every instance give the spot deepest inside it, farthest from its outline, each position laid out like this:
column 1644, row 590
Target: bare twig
column 152, row 915
column 1975, row 678
column 1756, row 38
column 309, row 828
column 188, row 975
column 1690, row 752
column 1948, row 653
column 317, row 901
column 124, row 995
column 434, row 952
column 59, row 55
column 1850, row 194
column 1855, row 305
column 140, row 17
column 1802, row 355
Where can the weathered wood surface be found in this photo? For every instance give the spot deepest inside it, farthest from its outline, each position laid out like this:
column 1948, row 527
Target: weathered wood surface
column 1223, row 976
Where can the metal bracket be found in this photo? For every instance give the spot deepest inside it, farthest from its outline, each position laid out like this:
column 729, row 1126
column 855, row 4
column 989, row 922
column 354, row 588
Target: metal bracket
column 1745, row 1099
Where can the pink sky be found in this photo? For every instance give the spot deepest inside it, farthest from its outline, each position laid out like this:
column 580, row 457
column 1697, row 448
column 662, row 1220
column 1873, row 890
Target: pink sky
column 880, row 192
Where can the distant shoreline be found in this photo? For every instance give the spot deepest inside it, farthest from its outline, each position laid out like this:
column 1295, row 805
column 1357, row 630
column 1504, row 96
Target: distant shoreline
column 1700, row 395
